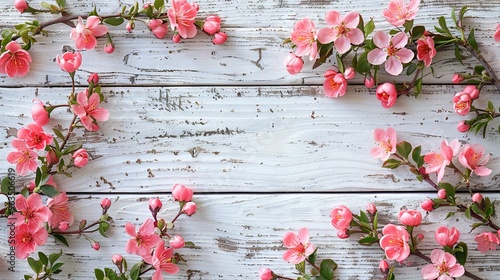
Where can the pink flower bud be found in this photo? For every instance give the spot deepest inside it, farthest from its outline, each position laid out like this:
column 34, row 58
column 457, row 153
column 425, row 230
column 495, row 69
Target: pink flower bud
column 155, row 205
column 182, row 193
column 457, row 78
column 93, row 78
column 96, row 246
column 80, row 158
column 427, row 205
column 189, row 208
column 446, row 237
column 105, row 203
column 109, row 48
column 212, row 25
column 472, row 91
column 371, row 208
column 343, row 234
column 21, row 5
column 420, row 237
column 31, row 186
column 176, row 38
column 219, row 38
column 384, row 266
column 117, row 260
column 369, row 82
column 266, row 274
column 39, row 114
column 69, row 61
column 146, row 6
column 130, row 26
column 63, row 226
column 410, row 217
column 176, row 242
column 477, row 198
column 341, row 217
column 462, row 126
column 387, row 94
column 293, row 63
column 442, row 193
column 349, row 73
column 51, row 157
column 158, row 28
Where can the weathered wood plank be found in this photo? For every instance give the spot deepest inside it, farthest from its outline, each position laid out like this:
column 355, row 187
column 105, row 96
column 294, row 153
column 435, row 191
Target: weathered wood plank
column 252, row 139
column 235, row 235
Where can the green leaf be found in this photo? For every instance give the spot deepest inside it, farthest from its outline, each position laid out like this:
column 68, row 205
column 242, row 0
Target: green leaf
column 472, row 40
column 35, row 265
column 134, row 272
column 103, row 227
column 61, row 239
column 99, row 274
column 149, row 11
column 38, row 176
column 159, row 4
column 408, row 25
column 71, row 149
column 340, row 64
column 454, row 16
column 114, row 21
column 462, row 253
column 6, row 186
column 363, row 217
column 369, row 27
column 442, row 23
column 368, row 240
column 326, row 269
column 363, row 64
column 56, row 266
column 418, row 87
column 476, row 209
column 458, row 54
column 415, row 155
column 404, row 149
column 450, row 191
column 312, row 257
column 449, row 215
column 43, row 258
column 324, row 51
column 391, row 163
column 467, row 213
column 49, row 190
column 58, row 134
column 61, row 3
column 301, row 267
column 462, row 13
column 410, row 69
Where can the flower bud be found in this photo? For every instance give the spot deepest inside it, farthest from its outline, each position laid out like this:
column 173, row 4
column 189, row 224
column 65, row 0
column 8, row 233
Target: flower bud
column 349, row 73
column 266, row 274
column 63, row 226
column 410, row 217
column 384, row 266
column 189, row 208
column 446, row 237
column 182, row 193
column 477, row 198
column 155, row 205
column 146, row 6
column 69, row 61
column 160, row 224
column 109, row 48
column 82, row 224
column 176, row 38
column 80, row 158
column 21, row 5
column 462, row 126
column 31, row 186
column 419, row 237
column 51, row 157
column 96, row 246
column 427, row 205
column 293, row 63
column 105, row 203
column 442, row 193
column 212, row 25
column 93, row 78
column 371, row 208
column 219, row 38
column 457, row 78
column 39, row 114
column 117, row 260
column 369, row 82
column 130, row 26
column 176, row 242
column 343, row 233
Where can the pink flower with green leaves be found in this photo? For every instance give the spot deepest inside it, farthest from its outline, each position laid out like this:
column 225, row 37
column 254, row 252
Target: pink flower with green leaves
column 473, row 157
column 30, row 210
column 84, row 35
column 27, row 239
column 386, row 143
column 392, row 51
column 161, row 260
column 15, row 61
column 304, row 36
column 143, row 240
column 24, row 158
column 487, row 241
column 88, row 110
column 444, row 266
column 399, row 12
column 182, row 16
column 395, row 242
column 34, row 136
column 341, row 31
column 439, row 162
column 298, row 246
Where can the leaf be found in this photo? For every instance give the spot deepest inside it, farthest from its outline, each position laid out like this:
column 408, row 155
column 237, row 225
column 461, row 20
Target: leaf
column 458, row 54
column 6, row 186
column 58, row 134
column 71, row 149
column 410, row 69
column 408, row 25
column 418, row 87
column 369, row 27
column 312, row 257
column 461, row 254
column 35, row 265
column 56, row 266
column 49, row 190
column 38, row 176
column 476, row 209
column 340, row 64
column 368, row 240
column 415, row 155
column 301, row 267
column 363, row 64
column 462, row 13
column 391, row 163
column 62, row 239
column 326, row 269
column 363, row 217
column 159, row 4
column 99, row 274
column 43, row 258
column 472, row 40
column 404, row 149
column 103, row 227
column 450, row 191
column 454, row 16
column 442, row 23
column 61, row 3
column 324, row 52
column 114, row 21
column 467, row 213
column 134, row 272
column 449, row 215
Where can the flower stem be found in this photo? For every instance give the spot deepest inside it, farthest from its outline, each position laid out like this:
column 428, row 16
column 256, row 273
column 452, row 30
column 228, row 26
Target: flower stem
column 484, row 63
column 177, row 216
column 427, row 259
column 315, row 266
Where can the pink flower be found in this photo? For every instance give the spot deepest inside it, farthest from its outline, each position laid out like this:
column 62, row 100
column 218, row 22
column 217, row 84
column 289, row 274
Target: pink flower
column 477, row 198
column 176, row 38
column 304, row 36
column 93, row 78
column 341, row 217
column 427, row 205
column 21, row 5
column 34, row 137
column 266, row 274
column 143, row 240
column 105, row 203
column 109, row 48
column 15, row 61
column 161, row 260
column 439, row 162
column 212, row 24
column 189, row 208
column 349, row 73
column 95, row 245
column 219, row 38
column 386, row 143
column 343, row 234
column 472, row 157
column 387, row 94
column 84, row 36
column 335, row 84
column 426, row 50
column 298, row 246
column 497, row 33
column 63, row 226
column 371, row 208
column 182, row 17
column 342, row 31
column 462, row 126
column 383, row 266
column 444, row 266
column 462, row 103
column 410, row 217
column 446, row 237
column 293, row 63
column 69, row 61
column 38, row 113
column 27, row 238
column 369, row 82
column 392, row 51
column 80, row 158
column 88, row 110
column 158, row 28
column 117, row 260
column 59, row 207
column 155, row 204
column 24, row 158
column 30, row 210
column 457, row 78
column 395, row 242
column 176, row 242
column 398, row 12
column 487, row 241
column 130, row 26
column 182, row 193
column 472, row 91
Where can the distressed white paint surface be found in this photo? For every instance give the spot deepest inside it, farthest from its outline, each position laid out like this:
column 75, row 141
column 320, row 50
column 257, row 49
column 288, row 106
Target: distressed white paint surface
column 230, row 122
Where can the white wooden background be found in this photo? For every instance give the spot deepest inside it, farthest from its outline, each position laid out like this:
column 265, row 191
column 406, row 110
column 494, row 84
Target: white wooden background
column 264, row 151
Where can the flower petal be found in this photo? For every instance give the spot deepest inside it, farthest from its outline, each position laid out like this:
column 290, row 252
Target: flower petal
column 326, row 35
column 393, row 66
column 381, row 39
column 351, row 19
column 342, row 44
column 399, row 40
column 377, row 56
column 333, row 18
column 356, row 36
column 405, row 55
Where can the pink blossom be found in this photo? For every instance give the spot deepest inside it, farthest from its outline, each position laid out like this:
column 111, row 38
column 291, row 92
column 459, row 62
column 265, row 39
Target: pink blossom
column 143, row 240
column 447, row 237
column 95, row 245
column 182, row 17
column 371, row 208
column 161, row 260
column 189, row 208
column 84, row 36
column 369, row 82
column 34, row 137
column 298, row 246
column 182, row 193
column 472, row 91
column 335, row 84
column 427, row 205
column 59, row 207
column 398, row 12
column 473, row 157
column 349, row 73
column 395, row 242
column 383, row 266
column 343, row 234
column 342, row 31
column 410, row 217
column 155, row 204
column 109, row 47
column 63, row 226
column 130, row 26
column 219, row 38
column 441, row 193
column 386, row 143
column 462, row 126
column 117, row 260
column 266, row 274
column 462, row 103
column 176, row 38
column 304, row 36
column 93, row 78
column 293, row 63
column 487, row 241
column 212, row 24
column 15, row 61
column 439, row 162
column 387, row 94
column 88, row 110
column 38, row 113
column 426, row 50
column 497, row 33
column 27, row 238
column 105, row 203
column 158, row 27
column 176, row 242
column 341, row 217
column 444, row 266
column 69, row 61
column 80, row 158
column 30, row 210
column 477, row 198
column 24, row 158
column 21, row 5
column 392, row 51
column 457, row 78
